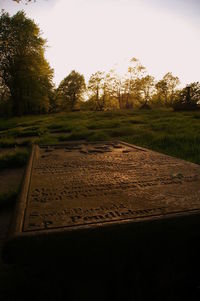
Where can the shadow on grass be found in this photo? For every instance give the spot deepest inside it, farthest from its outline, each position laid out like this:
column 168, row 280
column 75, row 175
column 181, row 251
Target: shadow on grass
column 14, row 160
column 8, row 199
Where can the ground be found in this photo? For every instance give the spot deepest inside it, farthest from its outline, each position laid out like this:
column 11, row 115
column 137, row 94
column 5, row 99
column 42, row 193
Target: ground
column 173, row 133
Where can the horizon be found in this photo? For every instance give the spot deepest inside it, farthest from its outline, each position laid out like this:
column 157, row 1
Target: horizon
column 93, row 39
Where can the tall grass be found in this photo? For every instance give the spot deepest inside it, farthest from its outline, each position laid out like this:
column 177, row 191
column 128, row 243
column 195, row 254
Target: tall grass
column 173, row 133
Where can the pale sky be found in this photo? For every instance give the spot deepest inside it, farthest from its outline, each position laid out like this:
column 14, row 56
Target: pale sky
column 92, row 35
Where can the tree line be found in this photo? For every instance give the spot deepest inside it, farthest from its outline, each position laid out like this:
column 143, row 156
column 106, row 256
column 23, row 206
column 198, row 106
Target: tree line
column 26, row 79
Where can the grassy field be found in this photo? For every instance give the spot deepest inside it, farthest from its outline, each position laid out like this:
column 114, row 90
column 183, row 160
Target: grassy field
column 173, row 133
column 176, row 134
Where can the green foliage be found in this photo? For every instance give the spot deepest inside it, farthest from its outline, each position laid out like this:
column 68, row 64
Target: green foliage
column 166, row 89
column 108, row 91
column 97, row 88
column 70, row 90
column 189, row 98
column 23, row 67
column 145, row 85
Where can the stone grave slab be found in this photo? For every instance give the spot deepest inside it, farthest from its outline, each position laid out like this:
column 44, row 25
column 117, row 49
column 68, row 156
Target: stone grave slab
column 78, row 189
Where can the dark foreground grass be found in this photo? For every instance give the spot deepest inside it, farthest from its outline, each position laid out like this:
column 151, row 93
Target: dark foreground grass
column 14, row 159
column 173, row 133
column 8, row 199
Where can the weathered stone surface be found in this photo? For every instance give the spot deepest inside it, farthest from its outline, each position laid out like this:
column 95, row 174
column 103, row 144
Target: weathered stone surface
column 79, row 187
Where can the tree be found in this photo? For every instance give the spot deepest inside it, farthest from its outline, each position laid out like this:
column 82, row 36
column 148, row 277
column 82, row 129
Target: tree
column 96, row 86
column 146, row 85
column 162, row 91
column 188, row 98
column 114, row 88
column 130, row 84
column 191, row 93
column 23, row 67
column 71, row 89
column 4, row 99
column 166, row 88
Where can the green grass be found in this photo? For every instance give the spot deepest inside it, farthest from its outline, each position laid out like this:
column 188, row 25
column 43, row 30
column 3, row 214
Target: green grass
column 98, row 136
column 7, row 142
column 11, row 142
column 173, row 133
column 14, row 159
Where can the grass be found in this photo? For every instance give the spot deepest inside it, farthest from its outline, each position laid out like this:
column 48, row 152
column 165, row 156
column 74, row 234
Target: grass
column 7, row 199
column 7, row 142
column 14, row 159
column 173, row 133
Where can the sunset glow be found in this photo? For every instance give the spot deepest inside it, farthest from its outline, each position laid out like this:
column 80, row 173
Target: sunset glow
column 91, row 35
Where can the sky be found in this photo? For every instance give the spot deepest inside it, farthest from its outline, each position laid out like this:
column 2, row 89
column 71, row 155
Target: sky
column 92, row 35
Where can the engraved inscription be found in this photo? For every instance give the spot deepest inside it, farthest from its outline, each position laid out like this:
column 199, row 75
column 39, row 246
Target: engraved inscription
column 86, row 184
